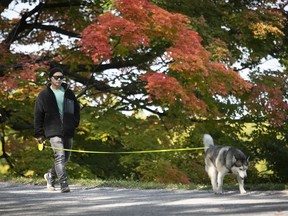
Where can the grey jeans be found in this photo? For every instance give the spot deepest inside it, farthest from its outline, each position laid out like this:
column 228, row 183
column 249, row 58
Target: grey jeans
column 60, row 158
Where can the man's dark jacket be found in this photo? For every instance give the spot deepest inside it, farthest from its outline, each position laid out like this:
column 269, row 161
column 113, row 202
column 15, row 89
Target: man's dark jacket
column 47, row 121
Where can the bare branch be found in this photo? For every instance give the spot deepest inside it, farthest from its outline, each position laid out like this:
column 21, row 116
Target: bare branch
column 21, row 26
column 55, row 29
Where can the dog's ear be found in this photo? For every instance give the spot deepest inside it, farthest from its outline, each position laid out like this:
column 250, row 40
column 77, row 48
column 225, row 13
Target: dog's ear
column 234, row 160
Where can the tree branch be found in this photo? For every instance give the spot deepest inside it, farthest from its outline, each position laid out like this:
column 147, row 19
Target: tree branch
column 21, row 25
column 55, row 29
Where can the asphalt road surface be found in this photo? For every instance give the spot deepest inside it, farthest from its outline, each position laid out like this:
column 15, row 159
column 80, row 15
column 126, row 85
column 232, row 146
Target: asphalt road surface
column 20, row 199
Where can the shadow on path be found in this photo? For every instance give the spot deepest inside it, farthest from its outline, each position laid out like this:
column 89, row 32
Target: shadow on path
column 19, row 199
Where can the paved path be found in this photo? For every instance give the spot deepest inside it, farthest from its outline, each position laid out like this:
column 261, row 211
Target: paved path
column 19, row 199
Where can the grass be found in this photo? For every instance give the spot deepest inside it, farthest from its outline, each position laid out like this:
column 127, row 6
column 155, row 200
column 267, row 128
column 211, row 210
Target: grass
column 104, row 183
column 143, row 185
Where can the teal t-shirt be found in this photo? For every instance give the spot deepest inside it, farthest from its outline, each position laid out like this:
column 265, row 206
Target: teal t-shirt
column 59, row 94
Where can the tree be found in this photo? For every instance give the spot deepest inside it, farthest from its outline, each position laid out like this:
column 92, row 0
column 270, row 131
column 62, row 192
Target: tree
column 244, row 30
column 250, row 32
column 190, row 73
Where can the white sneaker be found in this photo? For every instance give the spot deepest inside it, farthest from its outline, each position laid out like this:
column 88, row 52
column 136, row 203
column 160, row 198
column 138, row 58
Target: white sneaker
column 50, row 183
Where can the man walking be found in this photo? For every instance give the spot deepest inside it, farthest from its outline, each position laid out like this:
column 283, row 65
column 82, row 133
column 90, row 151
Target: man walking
column 57, row 114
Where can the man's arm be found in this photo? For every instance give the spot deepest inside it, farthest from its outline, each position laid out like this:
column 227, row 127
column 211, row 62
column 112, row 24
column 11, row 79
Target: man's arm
column 39, row 120
column 77, row 112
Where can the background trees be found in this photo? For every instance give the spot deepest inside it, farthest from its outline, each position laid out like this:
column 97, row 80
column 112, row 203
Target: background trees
column 149, row 75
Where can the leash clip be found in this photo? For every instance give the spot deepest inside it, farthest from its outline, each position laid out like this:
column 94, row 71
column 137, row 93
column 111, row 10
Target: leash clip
column 41, row 146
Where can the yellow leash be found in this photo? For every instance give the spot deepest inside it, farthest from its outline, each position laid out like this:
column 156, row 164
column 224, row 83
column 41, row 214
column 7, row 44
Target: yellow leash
column 129, row 152
column 42, row 146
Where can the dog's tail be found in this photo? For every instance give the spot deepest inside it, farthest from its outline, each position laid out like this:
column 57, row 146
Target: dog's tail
column 207, row 141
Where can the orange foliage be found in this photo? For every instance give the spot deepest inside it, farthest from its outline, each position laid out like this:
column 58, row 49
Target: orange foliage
column 12, row 77
column 267, row 97
column 161, row 85
column 173, row 175
column 162, row 171
column 138, row 23
column 168, row 89
column 11, row 80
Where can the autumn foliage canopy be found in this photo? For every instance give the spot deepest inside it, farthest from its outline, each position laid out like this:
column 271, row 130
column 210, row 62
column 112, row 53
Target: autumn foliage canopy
column 136, row 26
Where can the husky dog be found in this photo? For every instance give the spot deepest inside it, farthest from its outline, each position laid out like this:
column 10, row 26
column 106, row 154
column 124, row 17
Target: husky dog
column 221, row 160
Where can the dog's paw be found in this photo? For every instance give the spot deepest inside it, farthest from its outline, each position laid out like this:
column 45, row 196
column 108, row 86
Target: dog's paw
column 243, row 192
column 218, row 192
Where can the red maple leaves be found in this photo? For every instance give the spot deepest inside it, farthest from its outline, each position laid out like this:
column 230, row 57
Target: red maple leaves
column 135, row 24
column 12, row 77
column 267, row 98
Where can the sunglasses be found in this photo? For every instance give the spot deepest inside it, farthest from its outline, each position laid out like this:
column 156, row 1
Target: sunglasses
column 58, row 77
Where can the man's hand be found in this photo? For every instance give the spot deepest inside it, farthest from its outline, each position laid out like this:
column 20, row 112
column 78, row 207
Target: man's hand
column 41, row 143
column 41, row 140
